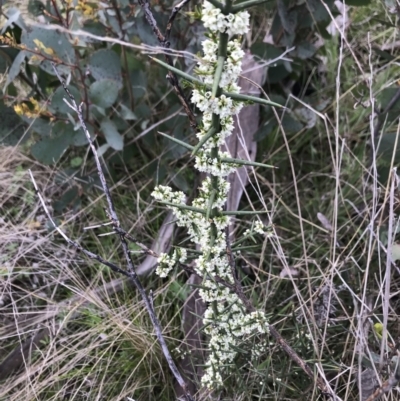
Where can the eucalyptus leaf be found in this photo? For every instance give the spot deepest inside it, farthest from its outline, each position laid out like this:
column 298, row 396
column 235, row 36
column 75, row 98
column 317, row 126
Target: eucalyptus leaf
column 57, row 43
column 49, row 150
column 35, row 7
column 317, row 9
column 358, row 3
column 12, row 128
column 66, row 199
column 104, row 93
column 113, row 137
column 14, row 69
column 264, row 131
column 288, row 18
column 79, row 137
column 138, row 81
column 388, row 146
column 40, row 126
column 180, row 182
column 386, row 96
column 127, row 113
column 290, row 123
column 277, row 74
column 57, row 102
column 95, row 28
column 305, row 50
column 105, row 64
column 102, row 149
column 13, row 17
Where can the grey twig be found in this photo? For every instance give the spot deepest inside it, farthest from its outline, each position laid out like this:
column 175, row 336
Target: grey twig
column 164, row 42
column 130, row 273
column 171, row 20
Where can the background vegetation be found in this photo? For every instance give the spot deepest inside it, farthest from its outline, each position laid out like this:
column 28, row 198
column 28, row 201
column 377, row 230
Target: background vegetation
column 325, row 280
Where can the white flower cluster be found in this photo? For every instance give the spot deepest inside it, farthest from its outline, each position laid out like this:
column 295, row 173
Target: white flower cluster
column 223, row 106
column 206, row 164
column 232, row 67
column 219, row 138
column 226, row 319
column 198, row 226
column 216, row 21
column 228, row 326
column 258, row 228
column 166, row 263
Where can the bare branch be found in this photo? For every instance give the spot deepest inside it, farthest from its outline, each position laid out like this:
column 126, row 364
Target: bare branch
column 164, row 42
column 130, row 273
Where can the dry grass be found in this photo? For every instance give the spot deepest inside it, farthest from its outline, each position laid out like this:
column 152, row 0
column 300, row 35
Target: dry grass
column 80, row 335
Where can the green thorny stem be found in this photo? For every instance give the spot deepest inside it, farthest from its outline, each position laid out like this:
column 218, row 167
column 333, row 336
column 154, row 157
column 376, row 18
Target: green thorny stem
column 227, row 320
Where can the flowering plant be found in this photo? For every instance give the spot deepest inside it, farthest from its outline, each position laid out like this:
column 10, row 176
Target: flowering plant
column 226, row 320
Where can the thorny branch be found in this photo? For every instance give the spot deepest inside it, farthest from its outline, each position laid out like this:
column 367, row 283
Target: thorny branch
column 163, row 39
column 130, row 273
column 164, row 42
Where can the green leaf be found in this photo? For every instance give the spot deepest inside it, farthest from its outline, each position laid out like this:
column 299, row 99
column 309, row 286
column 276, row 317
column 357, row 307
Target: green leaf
column 127, row 113
column 317, row 9
column 35, row 7
column 384, row 54
column 103, row 149
column 290, row 124
column 386, row 148
column 386, row 97
column 76, row 161
column 288, row 18
column 305, row 50
column 113, row 137
column 54, row 40
column 138, row 80
column 264, row 131
column 97, row 112
column 57, row 102
column 12, row 128
column 105, row 64
column 63, row 134
column 358, row 3
column 95, row 28
column 13, row 17
column 14, row 69
column 66, row 199
column 49, row 150
column 145, row 32
column 40, row 126
column 79, row 137
column 104, row 93
column 277, row 74
column 142, row 110
column 180, row 182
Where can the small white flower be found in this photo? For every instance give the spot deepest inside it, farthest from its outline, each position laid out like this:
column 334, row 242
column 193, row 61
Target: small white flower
column 259, row 227
column 216, row 21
